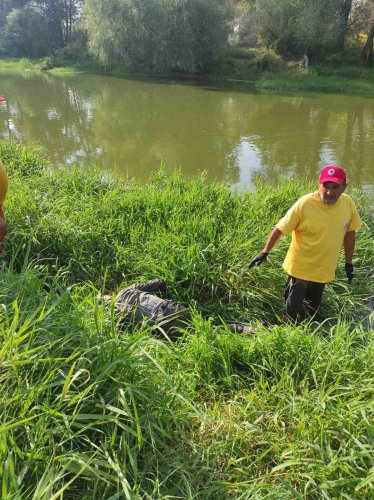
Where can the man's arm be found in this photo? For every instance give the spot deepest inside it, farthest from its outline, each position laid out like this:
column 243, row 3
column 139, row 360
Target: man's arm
column 270, row 242
column 349, row 247
column 272, row 239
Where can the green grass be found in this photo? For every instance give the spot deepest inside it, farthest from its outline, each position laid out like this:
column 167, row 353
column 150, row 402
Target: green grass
column 309, row 81
column 12, row 64
column 87, row 411
column 25, row 64
column 305, row 81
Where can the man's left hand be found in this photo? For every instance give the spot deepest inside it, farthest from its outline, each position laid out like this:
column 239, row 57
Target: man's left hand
column 349, row 271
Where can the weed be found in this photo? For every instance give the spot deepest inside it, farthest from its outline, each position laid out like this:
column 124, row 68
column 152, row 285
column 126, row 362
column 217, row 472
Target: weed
column 88, row 411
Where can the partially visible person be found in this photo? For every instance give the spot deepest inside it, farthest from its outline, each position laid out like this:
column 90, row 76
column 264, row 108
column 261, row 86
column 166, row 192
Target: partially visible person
column 321, row 224
column 3, row 192
column 138, row 305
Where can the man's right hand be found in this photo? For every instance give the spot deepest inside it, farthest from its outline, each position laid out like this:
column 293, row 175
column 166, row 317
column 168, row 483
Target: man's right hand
column 258, row 260
column 349, row 271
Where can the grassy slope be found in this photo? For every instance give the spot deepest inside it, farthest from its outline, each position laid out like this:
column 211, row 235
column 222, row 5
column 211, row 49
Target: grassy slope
column 87, row 409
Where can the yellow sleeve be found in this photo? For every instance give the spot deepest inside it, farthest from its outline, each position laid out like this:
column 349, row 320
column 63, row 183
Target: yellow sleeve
column 3, row 183
column 291, row 220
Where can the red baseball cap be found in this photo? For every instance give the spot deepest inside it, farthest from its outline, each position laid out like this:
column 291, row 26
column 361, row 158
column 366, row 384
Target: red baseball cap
column 2, row 99
column 332, row 173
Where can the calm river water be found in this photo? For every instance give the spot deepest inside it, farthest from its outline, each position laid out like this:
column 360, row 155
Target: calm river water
column 231, row 132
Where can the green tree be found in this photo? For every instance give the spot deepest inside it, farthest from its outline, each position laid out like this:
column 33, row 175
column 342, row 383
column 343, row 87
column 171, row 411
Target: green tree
column 276, row 23
column 60, row 15
column 26, row 34
column 71, row 15
column 315, row 27
column 362, row 22
column 6, row 6
column 367, row 51
column 37, row 27
column 322, row 26
column 244, row 27
column 157, row 35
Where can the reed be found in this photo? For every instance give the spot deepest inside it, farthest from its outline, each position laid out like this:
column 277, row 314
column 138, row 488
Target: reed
column 91, row 412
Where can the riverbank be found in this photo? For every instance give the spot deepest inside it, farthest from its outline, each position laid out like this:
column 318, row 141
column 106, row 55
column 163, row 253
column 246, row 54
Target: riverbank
column 307, row 81
column 268, row 71
column 94, row 412
column 256, row 73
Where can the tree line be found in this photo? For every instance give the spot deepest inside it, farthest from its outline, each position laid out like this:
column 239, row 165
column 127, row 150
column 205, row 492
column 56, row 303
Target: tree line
column 184, row 35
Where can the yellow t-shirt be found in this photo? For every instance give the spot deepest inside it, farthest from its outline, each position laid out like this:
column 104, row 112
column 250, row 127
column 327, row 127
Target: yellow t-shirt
column 3, row 183
column 318, row 231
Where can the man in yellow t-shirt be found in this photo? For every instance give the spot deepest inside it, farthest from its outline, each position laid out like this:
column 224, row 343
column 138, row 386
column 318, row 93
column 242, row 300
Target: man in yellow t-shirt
column 320, row 223
column 3, row 191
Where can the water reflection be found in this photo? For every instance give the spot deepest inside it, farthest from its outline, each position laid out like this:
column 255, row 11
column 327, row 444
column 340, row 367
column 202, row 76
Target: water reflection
column 134, row 127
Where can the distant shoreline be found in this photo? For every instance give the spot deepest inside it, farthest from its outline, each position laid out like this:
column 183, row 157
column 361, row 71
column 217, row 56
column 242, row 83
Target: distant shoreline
column 323, row 79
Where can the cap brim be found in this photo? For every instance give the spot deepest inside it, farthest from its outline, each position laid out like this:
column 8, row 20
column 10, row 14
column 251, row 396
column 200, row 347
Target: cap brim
column 331, row 179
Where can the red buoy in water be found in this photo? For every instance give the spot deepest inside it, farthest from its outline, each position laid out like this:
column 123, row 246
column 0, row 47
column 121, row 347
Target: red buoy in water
column 2, row 99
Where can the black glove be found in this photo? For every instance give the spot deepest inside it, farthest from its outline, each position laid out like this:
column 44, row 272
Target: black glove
column 349, row 271
column 258, row 260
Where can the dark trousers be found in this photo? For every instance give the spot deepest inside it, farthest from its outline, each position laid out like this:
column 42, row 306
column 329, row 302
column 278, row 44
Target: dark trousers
column 302, row 297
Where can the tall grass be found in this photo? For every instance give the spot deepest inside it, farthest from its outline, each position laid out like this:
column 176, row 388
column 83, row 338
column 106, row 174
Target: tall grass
column 91, row 412
column 199, row 238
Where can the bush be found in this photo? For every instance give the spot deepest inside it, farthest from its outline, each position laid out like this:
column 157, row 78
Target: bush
column 75, row 50
column 25, row 63
column 47, row 63
column 267, row 60
column 239, row 53
column 245, row 63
